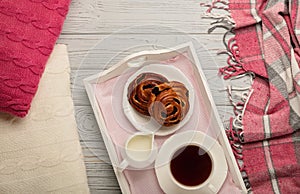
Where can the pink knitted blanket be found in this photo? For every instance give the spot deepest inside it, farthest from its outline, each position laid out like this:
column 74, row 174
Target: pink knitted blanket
column 265, row 134
column 28, row 31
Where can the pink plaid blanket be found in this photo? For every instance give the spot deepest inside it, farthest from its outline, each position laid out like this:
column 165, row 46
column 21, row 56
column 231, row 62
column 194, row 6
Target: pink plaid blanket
column 265, row 133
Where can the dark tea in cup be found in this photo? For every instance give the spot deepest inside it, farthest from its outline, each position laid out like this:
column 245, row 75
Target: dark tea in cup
column 191, row 165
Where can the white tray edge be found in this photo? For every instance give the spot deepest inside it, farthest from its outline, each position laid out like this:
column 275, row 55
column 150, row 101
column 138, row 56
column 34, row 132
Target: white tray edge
column 119, row 68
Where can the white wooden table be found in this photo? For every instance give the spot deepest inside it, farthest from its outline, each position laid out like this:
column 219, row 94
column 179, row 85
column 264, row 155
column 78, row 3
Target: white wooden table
column 90, row 21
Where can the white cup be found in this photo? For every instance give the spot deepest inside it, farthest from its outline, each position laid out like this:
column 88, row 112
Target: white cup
column 139, row 152
column 163, row 165
column 205, row 184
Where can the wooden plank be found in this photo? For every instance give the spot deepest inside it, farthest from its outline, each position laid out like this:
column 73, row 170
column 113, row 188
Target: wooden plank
column 102, row 16
column 100, row 52
column 87, row 126
column 104, row 191
column 101, row 177
column 82, row 43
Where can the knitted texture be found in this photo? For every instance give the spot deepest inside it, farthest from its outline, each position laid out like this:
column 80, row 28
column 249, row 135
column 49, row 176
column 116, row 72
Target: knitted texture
column 41, row 153
column 28, row 32
column 265, row 134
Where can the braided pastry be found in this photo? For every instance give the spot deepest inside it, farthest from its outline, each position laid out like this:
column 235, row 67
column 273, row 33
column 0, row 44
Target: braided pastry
column 140, row 91
column 171, row 103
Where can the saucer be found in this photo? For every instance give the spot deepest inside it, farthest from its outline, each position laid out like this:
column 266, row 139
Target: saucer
column 177, row 141
column 144, row 123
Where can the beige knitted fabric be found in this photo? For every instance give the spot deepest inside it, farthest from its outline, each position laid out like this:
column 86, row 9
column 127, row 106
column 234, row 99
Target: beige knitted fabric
column 41, row 153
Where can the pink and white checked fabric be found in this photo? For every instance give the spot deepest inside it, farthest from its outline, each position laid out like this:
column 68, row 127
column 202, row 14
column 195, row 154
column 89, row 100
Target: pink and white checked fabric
column 265, row 134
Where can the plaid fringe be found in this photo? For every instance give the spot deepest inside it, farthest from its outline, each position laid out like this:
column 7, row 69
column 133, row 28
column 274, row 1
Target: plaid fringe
column 235, row 132
column 264, row 133
column 234, row 70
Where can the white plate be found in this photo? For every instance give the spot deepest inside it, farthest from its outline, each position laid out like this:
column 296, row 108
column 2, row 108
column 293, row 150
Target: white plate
column 144, row 123
column 177, row 141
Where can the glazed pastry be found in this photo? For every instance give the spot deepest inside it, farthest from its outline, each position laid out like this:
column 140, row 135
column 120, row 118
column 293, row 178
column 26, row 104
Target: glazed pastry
column 140, row 91
column 171, row 103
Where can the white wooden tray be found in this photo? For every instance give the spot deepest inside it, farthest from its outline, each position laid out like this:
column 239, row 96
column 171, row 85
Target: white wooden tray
column 164, row 54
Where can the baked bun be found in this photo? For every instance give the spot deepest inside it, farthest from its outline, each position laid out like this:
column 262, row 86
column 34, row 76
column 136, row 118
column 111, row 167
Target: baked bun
column 140, row 93
column 171, row 103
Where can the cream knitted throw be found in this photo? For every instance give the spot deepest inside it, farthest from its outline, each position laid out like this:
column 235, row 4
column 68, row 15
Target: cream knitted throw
column 41, row 153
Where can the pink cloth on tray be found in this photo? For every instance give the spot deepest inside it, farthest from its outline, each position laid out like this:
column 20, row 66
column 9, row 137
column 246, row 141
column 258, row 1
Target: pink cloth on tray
column 109, row 95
